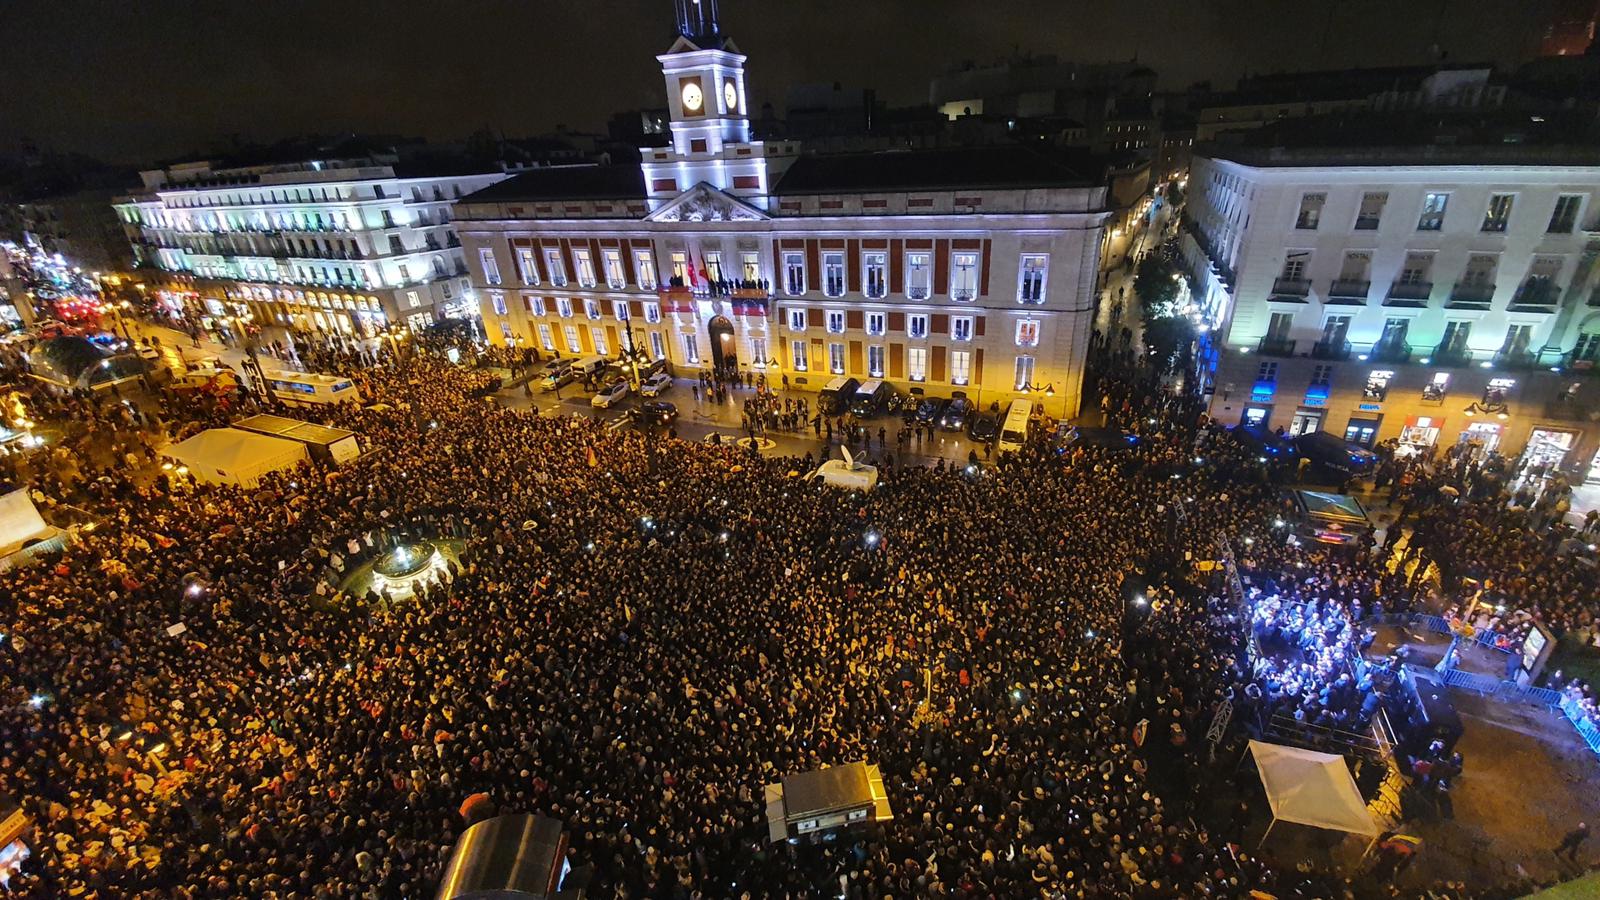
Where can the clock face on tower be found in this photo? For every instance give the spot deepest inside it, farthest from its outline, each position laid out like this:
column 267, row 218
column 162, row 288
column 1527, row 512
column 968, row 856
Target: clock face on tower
column 692, row 99
column 730, row 95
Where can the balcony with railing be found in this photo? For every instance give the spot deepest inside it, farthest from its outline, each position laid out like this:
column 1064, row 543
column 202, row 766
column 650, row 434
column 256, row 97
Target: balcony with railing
column 1390, row 352
column 705, row 290
column 1296, row 288
column 1470, row 295
column 1409, row 293
column 1349, row 290
column 1535, row 295
column 1330, row 349
column 1448, row 354
column 1275, row 346
column 1509, row 358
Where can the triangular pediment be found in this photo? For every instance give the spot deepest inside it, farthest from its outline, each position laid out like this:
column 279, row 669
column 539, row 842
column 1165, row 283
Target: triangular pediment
column 704, row 203
column 684, row 45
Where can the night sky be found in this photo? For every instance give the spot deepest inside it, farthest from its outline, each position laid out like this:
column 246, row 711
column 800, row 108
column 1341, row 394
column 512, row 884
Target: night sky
column 128, row 81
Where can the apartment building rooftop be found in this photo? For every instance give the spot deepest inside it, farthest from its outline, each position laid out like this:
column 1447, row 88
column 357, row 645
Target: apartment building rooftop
column 1413, row 138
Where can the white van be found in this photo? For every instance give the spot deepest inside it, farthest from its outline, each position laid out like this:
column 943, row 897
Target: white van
column 589, row 365
column 1014, row 430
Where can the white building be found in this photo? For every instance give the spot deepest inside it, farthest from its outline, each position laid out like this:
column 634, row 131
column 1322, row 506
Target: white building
column 332, row 246
column 1428, row 294
column 965, row 270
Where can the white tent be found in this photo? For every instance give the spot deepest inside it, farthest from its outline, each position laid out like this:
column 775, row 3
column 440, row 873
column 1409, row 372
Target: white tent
column 1311, row 788
column 231, row 456
column 20, row 522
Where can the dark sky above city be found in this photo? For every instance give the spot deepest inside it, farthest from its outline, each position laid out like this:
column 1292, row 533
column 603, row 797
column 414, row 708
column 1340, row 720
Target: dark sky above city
column 131, row 81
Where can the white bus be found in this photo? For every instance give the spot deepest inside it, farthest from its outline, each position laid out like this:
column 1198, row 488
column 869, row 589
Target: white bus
column 1014, row 431
column 310, row 388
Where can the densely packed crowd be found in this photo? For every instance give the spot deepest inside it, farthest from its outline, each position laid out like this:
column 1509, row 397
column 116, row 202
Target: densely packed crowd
column 643, row 634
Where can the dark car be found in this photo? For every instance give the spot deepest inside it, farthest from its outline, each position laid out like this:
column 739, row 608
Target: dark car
column 1336, row 455
column 929, row 410
column 982, row 428
column 955, row 414
column 1269, row 446
column 658, row 412
column 1104, row 438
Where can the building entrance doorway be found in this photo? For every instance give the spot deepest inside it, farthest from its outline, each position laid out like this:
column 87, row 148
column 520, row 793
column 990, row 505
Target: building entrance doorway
column 724, row 352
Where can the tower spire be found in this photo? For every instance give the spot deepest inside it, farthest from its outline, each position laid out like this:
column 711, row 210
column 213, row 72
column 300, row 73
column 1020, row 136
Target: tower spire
column 697, row 20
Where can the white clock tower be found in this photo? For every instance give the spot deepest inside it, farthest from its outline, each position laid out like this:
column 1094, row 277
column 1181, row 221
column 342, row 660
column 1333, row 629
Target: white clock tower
column 704, row 73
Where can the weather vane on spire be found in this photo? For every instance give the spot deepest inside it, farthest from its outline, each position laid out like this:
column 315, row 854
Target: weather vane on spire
column 697, row 19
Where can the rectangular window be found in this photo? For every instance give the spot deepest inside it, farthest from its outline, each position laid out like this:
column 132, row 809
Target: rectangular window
column 558, row 269
column 547, row 339
column 797, row 320
column 758, row 352
column 1030, row 283
column 875, row 324
column 960, row 367
column 691, row 348
column 652, row 312
column 836, row 359
column 1028, row 333
column 1322, row 375
column 598, row 335
column 1539, row 289
column 835, row 321
column 918, row 275
column 1480, row 270
column 1416, row 268
column 963, row 276
column 1024, row 372
column 1294, row 266
column 875, row 360
column 750, row 266
column 527, row 266
column 713, row 264
column 405, row 274
column 680, row 268
column 917, row 325
column 564, row 307
column 412, row 300
column 644, row 262
column 794, row 274
column 499, row 301
column 833, row 274
column 619, row 308
column 591, row 309
column 917, row 363
column 585, row 264
column 1371, row 211
column 960, row 328
column 797, row 356
column 875, row 274
column 573, row 345
column 1310, row 211
column 616, row 277
column 1267, row 371
column 658, row 347
column 1498, row 214
column 1565, row 217
column 1433, row 206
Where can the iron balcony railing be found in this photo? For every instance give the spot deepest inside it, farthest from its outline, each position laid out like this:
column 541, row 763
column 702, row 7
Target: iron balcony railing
column 1464, row 292
column 1411, row 290
column 1291, row 287
column 1275, row 346
column 1350, row 288
column 1330, row 349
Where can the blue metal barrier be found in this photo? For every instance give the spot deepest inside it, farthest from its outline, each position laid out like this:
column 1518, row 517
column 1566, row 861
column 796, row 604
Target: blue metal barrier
column 1482, row 684
column 1586, row 728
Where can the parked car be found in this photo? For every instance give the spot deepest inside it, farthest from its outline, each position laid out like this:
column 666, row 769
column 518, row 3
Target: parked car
column 929, row 410
column 658, row 412
column 1335, row 455
column 655, row 384
column 870, row 399
column 954, row 417
column 982, row 428
column 556, row 373
column 608, row 395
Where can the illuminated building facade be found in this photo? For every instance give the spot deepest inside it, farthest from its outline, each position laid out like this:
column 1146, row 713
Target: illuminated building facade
column 968, row 269
column 324, row 246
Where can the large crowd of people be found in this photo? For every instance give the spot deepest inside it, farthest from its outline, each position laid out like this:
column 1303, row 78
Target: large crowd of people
column 641, row 635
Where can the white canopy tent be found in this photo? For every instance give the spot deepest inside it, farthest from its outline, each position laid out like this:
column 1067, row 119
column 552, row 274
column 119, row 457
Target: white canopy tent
column 1311, row 788
column 231, row 456
column 20, row 522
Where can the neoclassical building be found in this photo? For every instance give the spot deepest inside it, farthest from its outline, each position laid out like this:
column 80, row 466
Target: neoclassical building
column 969, row 269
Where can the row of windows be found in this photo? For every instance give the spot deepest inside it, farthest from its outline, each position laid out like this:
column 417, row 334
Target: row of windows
column 916, row 325
column 1496, row 216
column 1395, row 337
column 1416, row 277
column 1033, row 271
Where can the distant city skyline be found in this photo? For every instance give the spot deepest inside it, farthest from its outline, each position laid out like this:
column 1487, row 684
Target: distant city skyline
column 132, row 83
